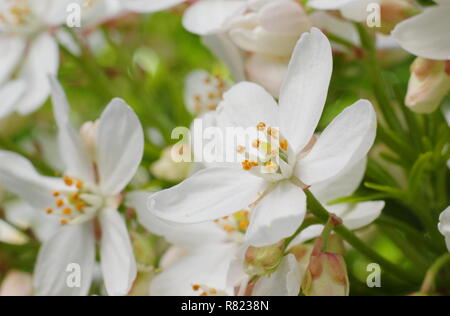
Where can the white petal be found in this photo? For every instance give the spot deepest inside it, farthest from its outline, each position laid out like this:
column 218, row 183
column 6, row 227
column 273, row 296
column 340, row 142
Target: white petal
column 56, row 265
column 267, row 71
column 207, row 195
column 209, row 17
column 247, row 104
column 277, row 216
column 207, row 266
column 343, row 184
column 285, row 281
column 117, row 257
column 18, row 176
column 305, row 88
column 150, row 5
column 120, row 146
column 343, row 143
column 185, row 235
column 72, row 151
column 360, row 215
column 42, row 60
column 10, row 235
column 426, row 35
column 11, row 50
column 10, row 94
column 227, row 52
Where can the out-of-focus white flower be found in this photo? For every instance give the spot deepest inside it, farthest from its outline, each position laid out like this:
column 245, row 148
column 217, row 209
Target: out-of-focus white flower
column 145, row 6
column 428, row 85
column 276, row 181
column 16, row 283
column 89, row 193
column 28, row 52
column 255, row 38
column 203, row 92
column 426, row 35
column 444, row 226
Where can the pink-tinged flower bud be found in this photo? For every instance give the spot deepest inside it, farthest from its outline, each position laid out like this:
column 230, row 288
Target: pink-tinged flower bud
column 428, row 85
column 326, row 274
column 263, row 260
column 394, row 12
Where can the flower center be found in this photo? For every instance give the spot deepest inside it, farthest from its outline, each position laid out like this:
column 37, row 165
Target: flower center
column 17, row 17
column 268, row 152
column 209, row 95
column 76, row 204
column 235, row 224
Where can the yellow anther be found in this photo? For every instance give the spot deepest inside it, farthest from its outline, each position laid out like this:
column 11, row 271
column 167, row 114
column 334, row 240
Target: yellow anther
column 68, row 181
column 80, row 206
column 79, row 185
column 212, row 107
column 261, row 126
column 284, row 144
column 64, row 221
column 67, row 211
column 243, row 225
column 196, row 287
column 248, row 165
column 213, row 291
column 207, row 80
column 273, row 132
column 225, row 217
column 256, row 143
column 59, row 203
column 49, row 211
column 56, row 194
column 75, row 196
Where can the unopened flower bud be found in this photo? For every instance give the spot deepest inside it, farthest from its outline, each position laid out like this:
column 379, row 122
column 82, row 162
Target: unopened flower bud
column 394, row 12
column 263, row 260
column 88, row 135
column 326, row 274
column 168, row 169
column 428, row 85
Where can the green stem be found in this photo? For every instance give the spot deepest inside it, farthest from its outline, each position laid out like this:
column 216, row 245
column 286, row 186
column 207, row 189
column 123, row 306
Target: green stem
column 429, row 284
column 320, row 212
column 381, row 93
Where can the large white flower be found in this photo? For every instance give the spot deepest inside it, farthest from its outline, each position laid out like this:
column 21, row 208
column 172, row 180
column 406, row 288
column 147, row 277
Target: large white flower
column 426, row 35
column 444, row 226
column 273, row 188
column 99, row 164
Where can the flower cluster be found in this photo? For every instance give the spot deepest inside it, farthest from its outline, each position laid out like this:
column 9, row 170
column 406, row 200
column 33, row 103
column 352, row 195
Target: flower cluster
column 338, row 160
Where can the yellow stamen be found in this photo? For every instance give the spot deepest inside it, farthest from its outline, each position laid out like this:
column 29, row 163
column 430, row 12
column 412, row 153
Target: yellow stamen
column 67, row 211
column 64, row 221
column 284, row 144
column 228, row 228
column 196, row 287
column 59, row 203
column 243, row 225
column 261, row 126
column 56, row 194
column 79, row 185
column 49, row 211
column 68, row 181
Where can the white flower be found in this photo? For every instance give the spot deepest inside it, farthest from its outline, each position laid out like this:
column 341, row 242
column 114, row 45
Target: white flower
column 444, row 225
column 274, row 187
column 28, row 52
column 85, row 201
column 426, row 35
column 149, row 5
